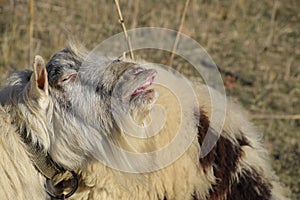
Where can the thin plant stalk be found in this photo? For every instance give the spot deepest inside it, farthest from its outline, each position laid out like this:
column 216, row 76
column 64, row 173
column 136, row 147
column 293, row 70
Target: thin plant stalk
column 178, row 33
column 31, row 26
column 121, row 20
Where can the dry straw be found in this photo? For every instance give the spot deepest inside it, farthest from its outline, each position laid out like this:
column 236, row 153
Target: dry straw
column 31, row 26
column 178, row 33
column 121, row 20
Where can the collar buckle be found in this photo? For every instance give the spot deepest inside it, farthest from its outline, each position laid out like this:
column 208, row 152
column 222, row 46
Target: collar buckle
column 57, row 195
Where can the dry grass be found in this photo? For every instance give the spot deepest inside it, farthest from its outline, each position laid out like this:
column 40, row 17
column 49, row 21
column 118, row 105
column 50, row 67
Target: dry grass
column 258, row 40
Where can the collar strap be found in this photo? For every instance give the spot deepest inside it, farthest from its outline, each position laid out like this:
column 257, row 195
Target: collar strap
column 42, row 160
column 50, row 169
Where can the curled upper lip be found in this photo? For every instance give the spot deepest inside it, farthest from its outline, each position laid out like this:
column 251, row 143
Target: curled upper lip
column 149, row 80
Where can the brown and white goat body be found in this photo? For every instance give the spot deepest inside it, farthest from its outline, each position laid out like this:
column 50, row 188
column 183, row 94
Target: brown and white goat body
column 236, row 168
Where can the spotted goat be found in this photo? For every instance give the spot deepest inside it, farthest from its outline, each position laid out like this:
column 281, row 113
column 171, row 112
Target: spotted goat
column 236, row 168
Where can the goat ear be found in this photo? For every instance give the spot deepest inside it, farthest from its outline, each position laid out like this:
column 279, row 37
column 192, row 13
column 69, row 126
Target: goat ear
column 40, row 79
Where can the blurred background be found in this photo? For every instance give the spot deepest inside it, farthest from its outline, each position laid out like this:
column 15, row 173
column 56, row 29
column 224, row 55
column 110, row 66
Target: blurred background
column 255, row 43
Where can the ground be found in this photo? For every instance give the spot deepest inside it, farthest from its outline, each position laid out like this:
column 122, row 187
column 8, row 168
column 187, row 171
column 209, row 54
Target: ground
column 259, row 41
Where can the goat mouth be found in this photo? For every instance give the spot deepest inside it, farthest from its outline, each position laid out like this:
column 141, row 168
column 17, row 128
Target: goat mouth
column 145, row 84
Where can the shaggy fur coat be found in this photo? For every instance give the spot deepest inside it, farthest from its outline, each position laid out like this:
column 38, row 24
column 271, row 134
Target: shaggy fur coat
column 236, row 168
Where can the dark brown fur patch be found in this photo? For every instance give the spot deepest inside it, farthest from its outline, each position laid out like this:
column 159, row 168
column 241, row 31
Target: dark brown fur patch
column 224, row 158
column 224, row 155
column 250, row 187
column 202, row 130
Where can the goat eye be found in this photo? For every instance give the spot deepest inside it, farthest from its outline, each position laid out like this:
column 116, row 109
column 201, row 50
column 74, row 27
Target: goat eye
column 65, row 79
column 69, row 77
